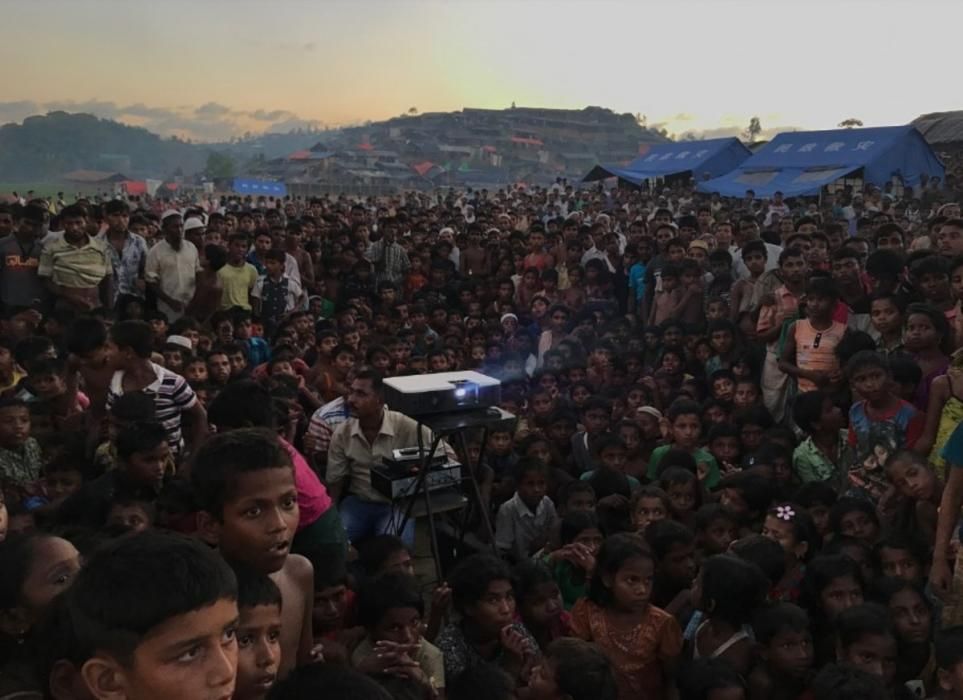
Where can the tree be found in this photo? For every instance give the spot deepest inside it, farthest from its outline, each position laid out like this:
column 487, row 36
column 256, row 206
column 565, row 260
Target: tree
column 220, row 166
column 850, row 123
column 412, row 111
column 753, row 130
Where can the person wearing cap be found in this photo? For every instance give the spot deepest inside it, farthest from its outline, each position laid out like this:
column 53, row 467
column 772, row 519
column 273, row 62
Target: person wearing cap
column 172, row 267
column 128, row 251
column 194, row 230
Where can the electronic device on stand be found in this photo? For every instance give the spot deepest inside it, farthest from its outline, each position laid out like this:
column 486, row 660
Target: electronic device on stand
column 448, row 404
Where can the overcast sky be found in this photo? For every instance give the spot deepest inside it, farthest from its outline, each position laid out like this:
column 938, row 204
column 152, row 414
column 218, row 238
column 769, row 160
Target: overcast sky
column 213, row 68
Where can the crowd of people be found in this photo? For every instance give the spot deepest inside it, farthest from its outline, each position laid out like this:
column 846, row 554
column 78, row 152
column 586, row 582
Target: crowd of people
column 736, row 469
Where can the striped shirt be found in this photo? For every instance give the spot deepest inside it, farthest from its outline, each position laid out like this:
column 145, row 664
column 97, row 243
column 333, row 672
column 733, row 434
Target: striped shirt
column 173, row 397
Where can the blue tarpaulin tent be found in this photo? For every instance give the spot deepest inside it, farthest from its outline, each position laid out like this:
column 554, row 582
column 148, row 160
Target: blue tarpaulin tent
column 705, row 159
column 263, row 188
column 802, row 162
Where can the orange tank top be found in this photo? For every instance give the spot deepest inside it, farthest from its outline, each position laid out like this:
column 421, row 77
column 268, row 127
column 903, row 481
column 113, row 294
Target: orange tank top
column 816, row 350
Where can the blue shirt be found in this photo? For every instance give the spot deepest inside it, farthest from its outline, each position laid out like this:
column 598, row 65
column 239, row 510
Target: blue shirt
column 637, row 280
column 258, row 351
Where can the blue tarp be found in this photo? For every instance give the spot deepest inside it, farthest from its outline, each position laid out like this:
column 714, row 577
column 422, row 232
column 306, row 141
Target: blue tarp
column 262, row 188
column 705, row 159
column 802, row 162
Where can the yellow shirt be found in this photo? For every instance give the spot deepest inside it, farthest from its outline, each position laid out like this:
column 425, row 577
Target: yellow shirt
column 237, row 284
column 76, row 267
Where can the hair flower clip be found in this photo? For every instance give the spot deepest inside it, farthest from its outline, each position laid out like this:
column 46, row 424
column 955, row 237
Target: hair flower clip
column 785, row 513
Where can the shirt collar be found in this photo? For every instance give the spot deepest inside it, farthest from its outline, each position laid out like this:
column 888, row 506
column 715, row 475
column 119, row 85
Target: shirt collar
column 523, row 509
column 387, row 425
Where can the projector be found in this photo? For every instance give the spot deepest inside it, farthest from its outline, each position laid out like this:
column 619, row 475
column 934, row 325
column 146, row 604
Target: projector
column 444, row 392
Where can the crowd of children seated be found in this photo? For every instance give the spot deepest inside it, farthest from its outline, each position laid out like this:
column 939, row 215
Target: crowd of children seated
column 736, row 469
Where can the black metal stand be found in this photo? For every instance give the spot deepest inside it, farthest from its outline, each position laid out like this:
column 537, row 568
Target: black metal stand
column 453, row 425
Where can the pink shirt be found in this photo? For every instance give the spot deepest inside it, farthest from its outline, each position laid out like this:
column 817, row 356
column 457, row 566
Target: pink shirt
column 313, row 498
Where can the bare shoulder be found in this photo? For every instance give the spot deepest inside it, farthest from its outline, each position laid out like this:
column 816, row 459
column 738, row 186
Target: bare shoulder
column 298, row 569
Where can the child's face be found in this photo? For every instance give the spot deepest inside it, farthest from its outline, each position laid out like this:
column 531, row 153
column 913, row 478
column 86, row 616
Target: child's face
column 62, row 483
column 751, row 436
column 500, row 443
column 133, row 516
column 238, row 363
column 679, row 564
column 541, row 451
column 860, row 526
column 725, row 449
column 900, row 563
column 631, row 585
column 842, row 593
column 193, row 655
column 174, row 361
column 755, row 262
column 745, row 395
column 242, row 331
column 790, row 652
column 398, row 625
column 914, row 481
column 716, row 310
column 283, row 367
column 782, row 532
column 648, row 510
column 682, row 497
column 580, row 502
column 921, row 334
column 613, row 458
column 48, row 386
column 14, row 426
column 495, row 608
column 885, row 315
column 671, row 363
column 935, row 287
column 542, row 684
column 721, row 341
column 196, row 372
column 258, row 651
column 819, row 512
column 669, row 283
column 399, row 562
column 596, row 420
column 873, row 653
column 54, row 565
column 531, row 489
column 542, row 605
column 330, row 605
column 260, row 518
column 719, row 534
column 819, row 306
column 732, row 500
column 148, row 467
column 723, row 388
column 911, row 617
column 686, row 430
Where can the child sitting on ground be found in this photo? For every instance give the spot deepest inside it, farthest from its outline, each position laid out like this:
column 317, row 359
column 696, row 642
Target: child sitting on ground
column 524, row 522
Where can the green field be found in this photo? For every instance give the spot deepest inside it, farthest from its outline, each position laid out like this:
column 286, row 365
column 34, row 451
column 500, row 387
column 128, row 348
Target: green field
column 43, row 189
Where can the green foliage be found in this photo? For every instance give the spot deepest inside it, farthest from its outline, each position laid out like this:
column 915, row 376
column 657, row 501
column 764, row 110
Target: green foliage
column 220, row 166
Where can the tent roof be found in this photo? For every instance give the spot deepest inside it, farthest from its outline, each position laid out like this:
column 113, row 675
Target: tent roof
column 940, row 128
column 802, row 162
column 711, row 158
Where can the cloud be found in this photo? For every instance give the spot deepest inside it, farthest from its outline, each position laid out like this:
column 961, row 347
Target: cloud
column 212, row 109
column 211, row 121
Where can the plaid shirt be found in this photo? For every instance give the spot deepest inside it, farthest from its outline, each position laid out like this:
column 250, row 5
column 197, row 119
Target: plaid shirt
column 390, row 261
column 128, row 264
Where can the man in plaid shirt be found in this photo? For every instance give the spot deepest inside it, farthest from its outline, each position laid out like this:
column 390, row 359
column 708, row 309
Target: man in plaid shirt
column 389, row 258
